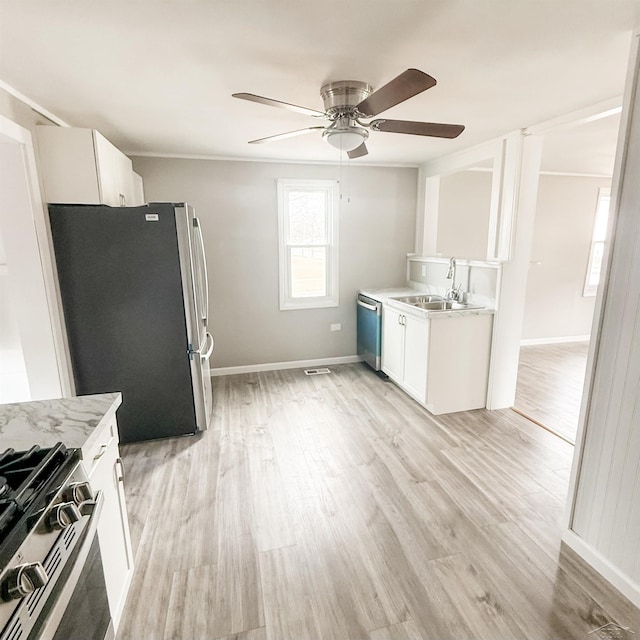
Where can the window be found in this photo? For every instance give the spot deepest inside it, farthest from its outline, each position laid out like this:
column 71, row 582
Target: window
column 308, row 229
column 594, row 267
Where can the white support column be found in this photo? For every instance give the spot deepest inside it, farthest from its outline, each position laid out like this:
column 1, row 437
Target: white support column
column 522, row 156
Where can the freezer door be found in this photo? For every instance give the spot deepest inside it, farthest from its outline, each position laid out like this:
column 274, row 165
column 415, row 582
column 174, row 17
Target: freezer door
column 205, row 356
column 194, row 274
column 196, row 302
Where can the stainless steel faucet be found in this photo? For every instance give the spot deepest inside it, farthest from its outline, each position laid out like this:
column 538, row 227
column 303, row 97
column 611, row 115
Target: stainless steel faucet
column 452, row 292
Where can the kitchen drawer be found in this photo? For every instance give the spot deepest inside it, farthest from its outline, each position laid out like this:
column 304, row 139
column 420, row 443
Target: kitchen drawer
column 106, row 473
column 97, row 447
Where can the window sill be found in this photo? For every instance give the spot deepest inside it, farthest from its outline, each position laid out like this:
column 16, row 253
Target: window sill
column 312, row 303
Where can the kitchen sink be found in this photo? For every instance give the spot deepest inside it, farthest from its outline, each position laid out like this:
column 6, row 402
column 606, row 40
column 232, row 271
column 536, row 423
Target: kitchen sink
column 443, row 305
column 421, row 299
column 430, row 302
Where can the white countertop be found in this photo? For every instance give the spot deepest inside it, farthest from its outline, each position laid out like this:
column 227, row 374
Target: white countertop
column 76, row 422
column 381, row 295
column 387, row 296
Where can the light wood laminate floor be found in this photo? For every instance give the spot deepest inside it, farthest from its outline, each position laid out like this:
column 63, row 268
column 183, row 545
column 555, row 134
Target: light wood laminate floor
column 550, row 383
column 335, row 507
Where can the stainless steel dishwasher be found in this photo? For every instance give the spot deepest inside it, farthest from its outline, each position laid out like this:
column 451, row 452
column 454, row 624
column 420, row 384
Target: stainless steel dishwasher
column 369, row 326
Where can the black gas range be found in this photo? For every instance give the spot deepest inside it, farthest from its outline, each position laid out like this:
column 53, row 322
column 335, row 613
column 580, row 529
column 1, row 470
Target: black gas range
column 49, row 548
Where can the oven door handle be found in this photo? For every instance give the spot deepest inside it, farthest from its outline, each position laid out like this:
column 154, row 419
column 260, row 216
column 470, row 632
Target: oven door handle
column 50, row 626
column 371, row 307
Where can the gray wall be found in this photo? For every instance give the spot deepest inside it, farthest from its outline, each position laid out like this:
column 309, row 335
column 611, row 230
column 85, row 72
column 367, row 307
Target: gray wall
column 238, row 207
column 555, row 306
column 463, row 214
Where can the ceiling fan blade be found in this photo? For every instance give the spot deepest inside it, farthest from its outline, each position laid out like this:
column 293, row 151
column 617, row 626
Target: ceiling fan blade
column 432, row 129
column 408, row 84
column 277, row 103
column 358, row 152
column 289, row 134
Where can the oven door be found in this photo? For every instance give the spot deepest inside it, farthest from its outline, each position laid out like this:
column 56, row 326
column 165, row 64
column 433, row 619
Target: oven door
column 78, row 608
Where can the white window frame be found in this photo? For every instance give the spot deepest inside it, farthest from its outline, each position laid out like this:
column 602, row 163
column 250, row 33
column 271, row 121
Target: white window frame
column 287, row 301
column 590, row 290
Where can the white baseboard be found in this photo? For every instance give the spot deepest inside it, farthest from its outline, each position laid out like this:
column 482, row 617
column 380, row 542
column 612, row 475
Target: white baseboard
column 619, row 580
column 531, row 341
column 292, row 364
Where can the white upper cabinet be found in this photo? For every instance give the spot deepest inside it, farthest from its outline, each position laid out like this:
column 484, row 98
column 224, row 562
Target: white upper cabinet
column 80, row 166
column 137, row 189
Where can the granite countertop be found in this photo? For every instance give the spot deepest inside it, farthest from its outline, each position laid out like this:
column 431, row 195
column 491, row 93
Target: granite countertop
column 75, row 421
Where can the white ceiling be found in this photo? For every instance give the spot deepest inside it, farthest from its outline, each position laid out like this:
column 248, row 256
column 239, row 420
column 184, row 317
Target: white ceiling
column 157, row 77
column 588, row 148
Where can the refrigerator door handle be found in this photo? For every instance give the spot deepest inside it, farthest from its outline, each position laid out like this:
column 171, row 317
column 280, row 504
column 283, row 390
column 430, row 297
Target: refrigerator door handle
column 204, row 356
column 207, row 355
column 204, row 278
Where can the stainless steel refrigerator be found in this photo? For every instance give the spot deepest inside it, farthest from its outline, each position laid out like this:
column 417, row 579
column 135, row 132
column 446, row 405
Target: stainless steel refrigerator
column 133, row 283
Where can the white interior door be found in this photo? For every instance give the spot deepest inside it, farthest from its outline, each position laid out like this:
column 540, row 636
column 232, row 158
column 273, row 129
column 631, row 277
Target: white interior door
column 14, row 385
column 28, row 280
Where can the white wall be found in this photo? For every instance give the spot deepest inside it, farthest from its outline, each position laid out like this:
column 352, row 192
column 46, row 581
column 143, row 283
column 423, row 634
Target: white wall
column 555, row 306
column 478, row 280
column 238, row 207
column 463, row 214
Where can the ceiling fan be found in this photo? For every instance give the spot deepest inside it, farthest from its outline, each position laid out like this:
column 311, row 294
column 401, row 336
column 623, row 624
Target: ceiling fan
column 348, row 102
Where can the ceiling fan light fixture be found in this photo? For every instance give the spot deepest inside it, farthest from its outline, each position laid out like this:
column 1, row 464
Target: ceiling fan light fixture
column 348, row 102
column 345, row 139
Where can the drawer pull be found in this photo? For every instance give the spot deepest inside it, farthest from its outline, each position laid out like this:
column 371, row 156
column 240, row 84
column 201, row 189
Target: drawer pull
column 103, row 449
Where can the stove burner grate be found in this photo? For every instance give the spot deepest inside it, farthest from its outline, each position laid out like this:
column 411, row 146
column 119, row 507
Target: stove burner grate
column 23, row 476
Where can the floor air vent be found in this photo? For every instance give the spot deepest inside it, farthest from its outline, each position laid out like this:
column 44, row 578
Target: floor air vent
column 315, row 372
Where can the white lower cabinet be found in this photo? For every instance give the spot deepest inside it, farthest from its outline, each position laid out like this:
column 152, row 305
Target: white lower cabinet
column 441, row 360
column 392, row 343
column 459, row 357
column 405, row 340
column 106, row 473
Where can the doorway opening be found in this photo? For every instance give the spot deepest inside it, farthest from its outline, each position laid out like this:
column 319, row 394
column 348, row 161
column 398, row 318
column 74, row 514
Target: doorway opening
column 575, row 179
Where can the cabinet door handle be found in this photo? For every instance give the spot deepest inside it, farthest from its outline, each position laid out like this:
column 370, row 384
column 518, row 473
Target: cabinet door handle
column 121, row 465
